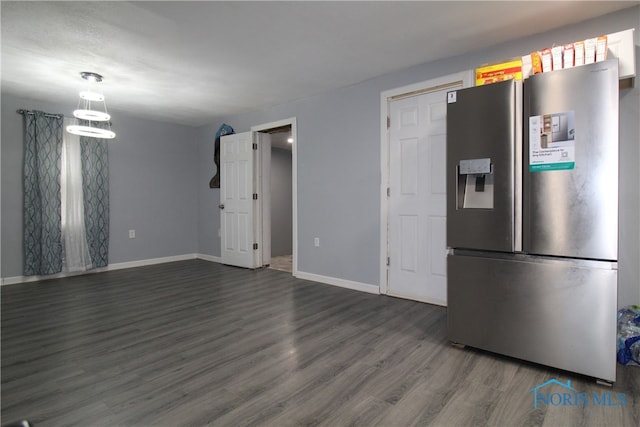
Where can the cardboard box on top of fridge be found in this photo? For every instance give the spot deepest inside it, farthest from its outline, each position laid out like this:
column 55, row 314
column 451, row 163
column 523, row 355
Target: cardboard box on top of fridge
column 568, row 55
column 547, row 63
column 556, row 57
column 590, row 50
column 601, row 48
column 578, row 48
column 527, row 66
column 531, row 64
column 508, row 70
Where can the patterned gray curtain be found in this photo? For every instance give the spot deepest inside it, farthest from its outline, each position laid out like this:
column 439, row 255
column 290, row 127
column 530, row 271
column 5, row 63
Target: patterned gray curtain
column 42, row 244
column 95, row 181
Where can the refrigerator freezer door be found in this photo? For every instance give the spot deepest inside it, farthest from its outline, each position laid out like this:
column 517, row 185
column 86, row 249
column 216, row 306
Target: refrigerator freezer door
column 483, row 149
column 570, row 200
column 553, row 312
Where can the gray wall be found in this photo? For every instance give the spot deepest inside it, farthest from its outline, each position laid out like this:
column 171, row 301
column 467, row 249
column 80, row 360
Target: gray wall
column 281, row 203
column 208, row 198
column 156, row 189
column 339, row 162
column 153, row 186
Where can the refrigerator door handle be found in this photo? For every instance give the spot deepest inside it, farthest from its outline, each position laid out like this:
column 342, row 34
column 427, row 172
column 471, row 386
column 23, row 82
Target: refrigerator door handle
column 457, row 181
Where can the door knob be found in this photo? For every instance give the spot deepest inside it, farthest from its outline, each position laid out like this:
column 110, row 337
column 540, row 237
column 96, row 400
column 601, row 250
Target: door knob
column 221, row 206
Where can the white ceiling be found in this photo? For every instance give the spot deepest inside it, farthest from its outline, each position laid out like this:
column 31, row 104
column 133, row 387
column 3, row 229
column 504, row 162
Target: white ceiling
column 190, row 62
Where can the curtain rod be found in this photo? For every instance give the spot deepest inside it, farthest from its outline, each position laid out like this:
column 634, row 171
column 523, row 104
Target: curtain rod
column 57, row 116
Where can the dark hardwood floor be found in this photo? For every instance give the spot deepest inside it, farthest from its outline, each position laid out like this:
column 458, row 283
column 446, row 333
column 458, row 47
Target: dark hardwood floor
column 195, row 343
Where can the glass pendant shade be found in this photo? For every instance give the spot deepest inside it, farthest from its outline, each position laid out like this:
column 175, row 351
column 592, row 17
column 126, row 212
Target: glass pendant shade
column 91, row 131
column 87, row 114
column 91, row 96
column 91, row 115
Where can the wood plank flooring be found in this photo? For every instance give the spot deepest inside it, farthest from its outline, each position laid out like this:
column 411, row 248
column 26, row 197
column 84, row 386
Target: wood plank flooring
column 282, row 263
column 195, row 343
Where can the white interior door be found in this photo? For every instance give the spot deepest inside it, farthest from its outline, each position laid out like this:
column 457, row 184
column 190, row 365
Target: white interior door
column 237, row 206
column 417, row 198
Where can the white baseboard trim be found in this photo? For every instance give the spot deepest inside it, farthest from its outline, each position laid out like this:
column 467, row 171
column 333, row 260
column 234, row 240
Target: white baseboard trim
column 151, row 261
column 117, row 266
column 348, row 284
column 356, row 286
column 26, row 279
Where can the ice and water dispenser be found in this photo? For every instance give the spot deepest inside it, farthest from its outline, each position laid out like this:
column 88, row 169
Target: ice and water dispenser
column 475, row 184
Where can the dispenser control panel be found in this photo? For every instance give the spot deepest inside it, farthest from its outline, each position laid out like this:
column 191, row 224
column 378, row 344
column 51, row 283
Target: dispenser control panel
column 473, row 166
column 475, row 184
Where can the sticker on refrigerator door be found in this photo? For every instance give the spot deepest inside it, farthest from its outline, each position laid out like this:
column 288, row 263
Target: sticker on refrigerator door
column 552, row 142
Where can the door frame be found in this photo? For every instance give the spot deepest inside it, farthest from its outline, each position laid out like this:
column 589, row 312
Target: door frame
column 464, row 78
column 262, row 193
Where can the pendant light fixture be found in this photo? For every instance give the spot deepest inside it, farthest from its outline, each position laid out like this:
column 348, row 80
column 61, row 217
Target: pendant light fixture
column 86, row 113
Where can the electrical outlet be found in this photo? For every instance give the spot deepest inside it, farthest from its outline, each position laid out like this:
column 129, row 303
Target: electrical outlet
column 316, row 242
column 132, row 234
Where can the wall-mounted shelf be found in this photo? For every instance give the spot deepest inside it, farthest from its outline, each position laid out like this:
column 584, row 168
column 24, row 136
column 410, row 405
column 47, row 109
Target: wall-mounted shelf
column 621, row 46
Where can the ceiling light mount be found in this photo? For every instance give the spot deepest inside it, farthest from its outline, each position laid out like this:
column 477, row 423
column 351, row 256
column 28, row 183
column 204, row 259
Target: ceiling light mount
column 92, row 77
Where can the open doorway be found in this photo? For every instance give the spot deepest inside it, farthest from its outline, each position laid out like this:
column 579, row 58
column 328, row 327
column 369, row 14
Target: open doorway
column 277, row 194
column 281, row 200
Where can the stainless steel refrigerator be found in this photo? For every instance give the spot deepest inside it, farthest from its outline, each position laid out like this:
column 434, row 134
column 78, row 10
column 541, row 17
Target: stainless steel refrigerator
column 532, row 218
